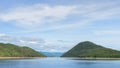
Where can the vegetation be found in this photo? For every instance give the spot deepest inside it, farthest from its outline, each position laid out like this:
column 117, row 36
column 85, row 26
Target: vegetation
column 10, row 50
column 90, row 50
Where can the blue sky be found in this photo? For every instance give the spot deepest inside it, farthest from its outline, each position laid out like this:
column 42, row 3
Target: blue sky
column 58, row 25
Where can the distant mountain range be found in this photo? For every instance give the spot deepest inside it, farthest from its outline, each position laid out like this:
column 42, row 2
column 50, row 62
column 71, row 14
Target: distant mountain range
column 90, row 49
column 52, row 54
column 82, row 50
column 11, row 50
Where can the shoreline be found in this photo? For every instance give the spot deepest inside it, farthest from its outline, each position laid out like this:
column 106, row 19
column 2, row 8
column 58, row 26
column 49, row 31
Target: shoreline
column 100, row 58
column 87, row 58
column 75, row 58
column 19, row 57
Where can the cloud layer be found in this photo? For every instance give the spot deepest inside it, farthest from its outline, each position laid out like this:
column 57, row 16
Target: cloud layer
column 48, row 17
column 37, row 43
column 29, row 20
column 38, row 14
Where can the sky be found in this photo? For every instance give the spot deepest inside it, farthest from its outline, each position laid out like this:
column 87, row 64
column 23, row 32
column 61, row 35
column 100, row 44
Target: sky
column 58, row 25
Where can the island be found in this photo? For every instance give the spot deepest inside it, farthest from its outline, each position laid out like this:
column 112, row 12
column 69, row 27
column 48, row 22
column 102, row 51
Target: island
column 13, row 51
column 89, row 49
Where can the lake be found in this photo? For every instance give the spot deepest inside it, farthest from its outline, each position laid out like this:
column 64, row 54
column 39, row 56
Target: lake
column 58, row 63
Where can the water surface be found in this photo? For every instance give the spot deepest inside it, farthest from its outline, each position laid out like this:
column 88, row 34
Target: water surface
column 59, row 63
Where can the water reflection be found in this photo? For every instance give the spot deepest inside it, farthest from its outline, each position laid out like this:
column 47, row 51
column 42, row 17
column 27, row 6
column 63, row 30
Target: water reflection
column 58, row 63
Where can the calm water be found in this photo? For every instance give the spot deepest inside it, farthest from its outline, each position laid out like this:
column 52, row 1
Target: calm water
column 59, row 63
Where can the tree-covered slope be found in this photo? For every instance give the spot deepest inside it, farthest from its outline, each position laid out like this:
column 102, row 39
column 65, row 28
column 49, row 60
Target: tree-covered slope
column 10, row 50
column 89, row 49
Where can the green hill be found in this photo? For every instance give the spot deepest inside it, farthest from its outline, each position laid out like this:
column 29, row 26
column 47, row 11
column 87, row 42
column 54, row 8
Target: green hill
column 11, row 50
column 88, row 49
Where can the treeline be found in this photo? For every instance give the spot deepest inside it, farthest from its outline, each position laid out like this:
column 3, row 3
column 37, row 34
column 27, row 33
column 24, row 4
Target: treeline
column 89, row 49
column 10, row 50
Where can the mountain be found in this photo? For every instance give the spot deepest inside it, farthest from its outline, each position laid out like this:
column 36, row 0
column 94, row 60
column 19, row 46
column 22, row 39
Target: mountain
column 11, row 50
column 88, row 49
column 52, row 54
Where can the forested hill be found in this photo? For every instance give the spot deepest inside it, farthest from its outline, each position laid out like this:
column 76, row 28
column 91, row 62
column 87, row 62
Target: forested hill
column 11, row 50
column 89, row 49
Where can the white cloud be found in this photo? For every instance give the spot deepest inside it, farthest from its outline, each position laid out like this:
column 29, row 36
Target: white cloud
column 37, row 43
column 4, row 37
column 47, row 17
column 107, row 32
column 36, row 15
column 19, row 41
column 30, row 41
